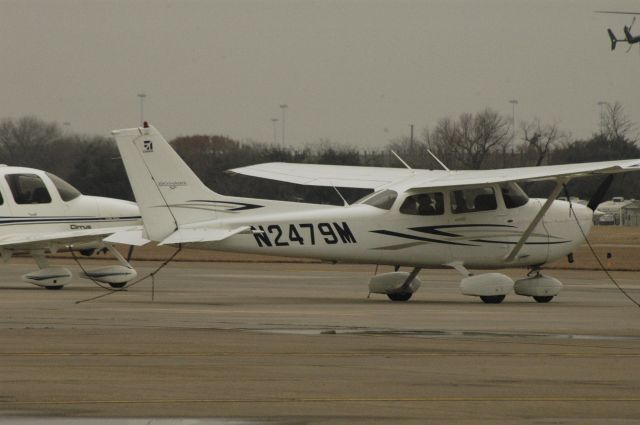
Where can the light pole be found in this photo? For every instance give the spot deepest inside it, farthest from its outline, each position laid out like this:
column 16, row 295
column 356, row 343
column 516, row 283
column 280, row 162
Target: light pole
column 142, row 96
column 411, row 140
column 513, row 103
column 601, row 104
column 283, row 107
column 275, row 130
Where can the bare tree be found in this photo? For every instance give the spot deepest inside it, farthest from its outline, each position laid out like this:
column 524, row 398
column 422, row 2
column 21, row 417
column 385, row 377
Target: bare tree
column 470, row 140
column 615, row 122
column 541, row 138
column 441, row 141
column 413, row 152
column 28, row 141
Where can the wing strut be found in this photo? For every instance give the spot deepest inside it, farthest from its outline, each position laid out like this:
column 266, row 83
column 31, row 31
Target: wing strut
column 560, row 182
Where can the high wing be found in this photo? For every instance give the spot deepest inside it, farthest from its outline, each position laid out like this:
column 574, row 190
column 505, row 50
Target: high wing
column 326, row 175
column 377, row 177
column 35, row 241
column 547, row 172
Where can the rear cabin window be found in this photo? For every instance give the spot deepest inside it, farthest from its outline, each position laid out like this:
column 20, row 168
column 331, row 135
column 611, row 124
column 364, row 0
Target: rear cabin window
column 28, row 189
column 423, row 204
column 383, row 200
column 473, row 200
column 513, row 195
column 66, row 191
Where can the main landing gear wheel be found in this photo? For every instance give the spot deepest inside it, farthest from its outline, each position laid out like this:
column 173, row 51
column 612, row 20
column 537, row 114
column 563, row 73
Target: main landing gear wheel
column 544, row 299
column 118, row 285
column 400, row 296
column 54, row 287
column 492, row 299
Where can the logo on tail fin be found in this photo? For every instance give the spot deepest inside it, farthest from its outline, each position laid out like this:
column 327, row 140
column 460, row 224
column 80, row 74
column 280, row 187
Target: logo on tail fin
column 147, row 146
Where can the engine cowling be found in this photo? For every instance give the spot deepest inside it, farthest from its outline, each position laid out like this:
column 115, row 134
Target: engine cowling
column 49, row 277
column 538, row 286
column 112, row 275
column 486, row 285
column 391, row 283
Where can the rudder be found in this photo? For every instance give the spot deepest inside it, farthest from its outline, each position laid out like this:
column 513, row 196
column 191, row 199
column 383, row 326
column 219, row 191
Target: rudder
column 613, row 39
column 163, row 184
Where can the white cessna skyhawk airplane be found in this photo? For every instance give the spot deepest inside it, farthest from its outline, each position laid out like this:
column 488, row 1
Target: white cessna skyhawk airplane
column 417, row 218
column 40, row 213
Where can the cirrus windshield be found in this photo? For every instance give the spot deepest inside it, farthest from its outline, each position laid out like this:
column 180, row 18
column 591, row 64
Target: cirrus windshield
column 66, row 191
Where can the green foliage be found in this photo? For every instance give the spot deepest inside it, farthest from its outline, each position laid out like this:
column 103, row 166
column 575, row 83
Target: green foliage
column 600, row 148
column 99, row 171
column 92, row 164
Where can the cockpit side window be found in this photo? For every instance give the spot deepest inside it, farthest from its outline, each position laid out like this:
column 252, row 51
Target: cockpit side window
column 28, row 189
column 66, row 191
column 473, row 200
column 423, row 204
column 383, row 200
column 513, row 195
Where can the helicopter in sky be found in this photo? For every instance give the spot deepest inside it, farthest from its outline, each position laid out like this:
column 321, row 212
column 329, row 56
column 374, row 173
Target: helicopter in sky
column 628, row 37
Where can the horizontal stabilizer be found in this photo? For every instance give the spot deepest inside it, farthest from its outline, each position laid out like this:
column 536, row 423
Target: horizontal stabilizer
column 194, row 235
column 128, row 237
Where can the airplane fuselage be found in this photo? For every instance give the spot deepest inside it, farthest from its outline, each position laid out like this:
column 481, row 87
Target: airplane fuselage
column 366, row 234
column 33, row 203
column 420, row 218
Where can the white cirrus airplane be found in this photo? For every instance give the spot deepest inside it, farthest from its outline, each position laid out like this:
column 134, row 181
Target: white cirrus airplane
column 417, row 218
column 40, row 213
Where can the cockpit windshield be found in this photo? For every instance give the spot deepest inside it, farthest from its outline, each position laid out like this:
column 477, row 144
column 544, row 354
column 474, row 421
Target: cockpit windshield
column 513, row 195
column 383, row 200
column 66, row 191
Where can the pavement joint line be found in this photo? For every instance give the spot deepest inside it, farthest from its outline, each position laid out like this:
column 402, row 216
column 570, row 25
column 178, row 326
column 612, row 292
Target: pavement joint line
column 532, row 399
column 338, row 354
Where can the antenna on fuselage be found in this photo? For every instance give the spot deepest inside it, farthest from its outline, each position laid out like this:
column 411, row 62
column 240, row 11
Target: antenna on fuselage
column 438, row 161
column 401, row 160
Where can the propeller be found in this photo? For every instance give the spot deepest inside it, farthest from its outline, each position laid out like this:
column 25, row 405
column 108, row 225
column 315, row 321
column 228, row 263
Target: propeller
column 601, row 191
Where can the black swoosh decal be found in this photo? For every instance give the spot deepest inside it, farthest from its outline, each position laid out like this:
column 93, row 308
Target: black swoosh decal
column 417, row 238
column 435, row 230
column 240, row 205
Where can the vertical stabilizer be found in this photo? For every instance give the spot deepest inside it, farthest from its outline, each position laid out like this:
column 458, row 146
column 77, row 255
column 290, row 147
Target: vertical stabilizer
column 166, row 189
column 628, row 35
column 613, row 39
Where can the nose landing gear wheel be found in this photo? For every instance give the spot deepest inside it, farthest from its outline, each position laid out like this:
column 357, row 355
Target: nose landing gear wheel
column 492, row 299
column 54, row 287
column 400, row 296
column 543, row 299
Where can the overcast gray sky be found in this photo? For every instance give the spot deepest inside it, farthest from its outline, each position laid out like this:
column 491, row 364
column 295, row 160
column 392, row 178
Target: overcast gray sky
column 355, row 72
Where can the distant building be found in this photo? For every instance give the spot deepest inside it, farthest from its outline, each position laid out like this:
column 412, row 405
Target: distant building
column 618, row 211
column 631, row 214
column 573, row 199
